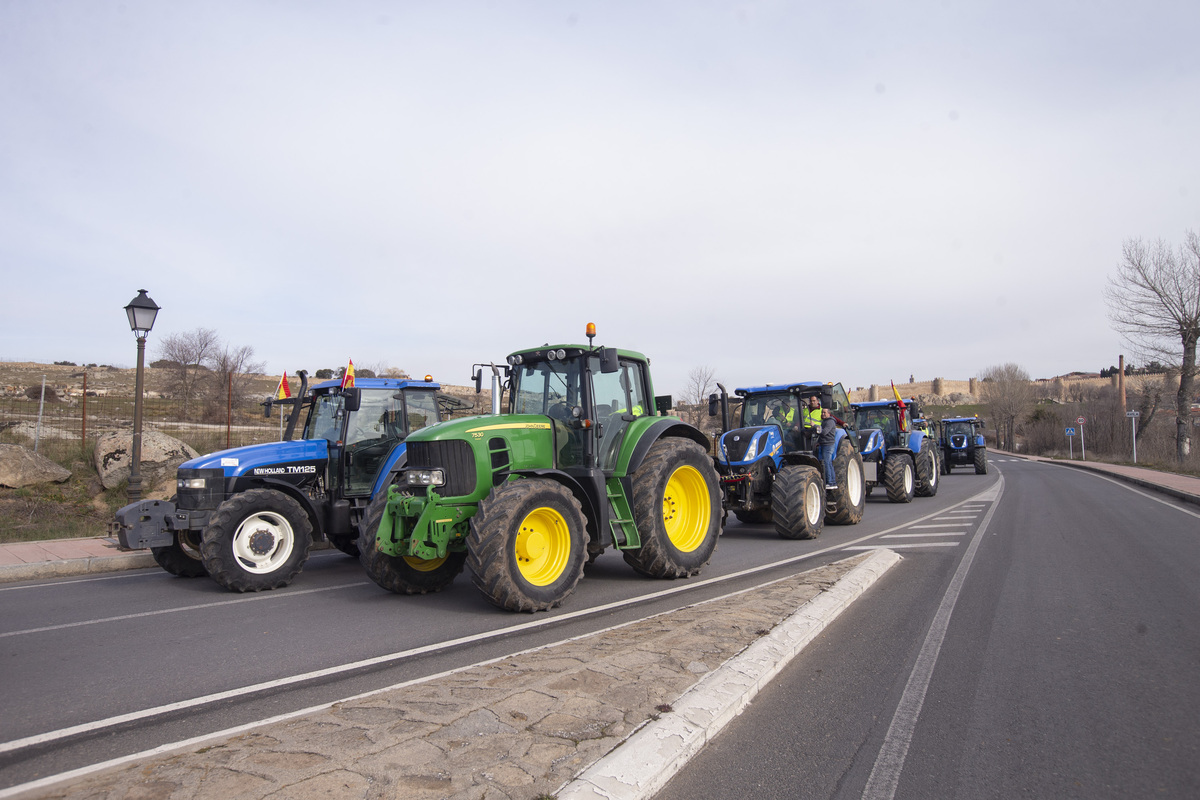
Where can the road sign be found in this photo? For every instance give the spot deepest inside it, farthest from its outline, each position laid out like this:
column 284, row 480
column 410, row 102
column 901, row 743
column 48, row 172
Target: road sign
column 1070, row 431
column 1080, row 420
column 1133, row 414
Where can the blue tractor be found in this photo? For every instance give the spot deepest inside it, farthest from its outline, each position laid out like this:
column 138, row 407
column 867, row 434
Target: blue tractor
column 962, row 444
column 897, row 455
column 248, row 516
column 769, row 467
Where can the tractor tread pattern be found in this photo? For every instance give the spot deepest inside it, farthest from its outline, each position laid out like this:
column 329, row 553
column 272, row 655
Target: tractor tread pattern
column 893, row 477
column 787, row 502
column 488, row 546
column 217, row 550
column 393, row 572
column 658, row 557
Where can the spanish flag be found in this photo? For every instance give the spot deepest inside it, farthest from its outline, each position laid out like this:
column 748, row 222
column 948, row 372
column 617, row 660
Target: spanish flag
column 284, row 391
column 348, row 376
column 900, row 402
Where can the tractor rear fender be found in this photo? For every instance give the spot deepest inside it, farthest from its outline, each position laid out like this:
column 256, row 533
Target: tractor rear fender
column 644, row 432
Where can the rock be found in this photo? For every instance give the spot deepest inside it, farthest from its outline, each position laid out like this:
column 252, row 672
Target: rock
column 161, row 455
column 20, row 466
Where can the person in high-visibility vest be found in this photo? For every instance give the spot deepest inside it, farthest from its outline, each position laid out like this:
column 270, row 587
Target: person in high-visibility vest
column 812, row 420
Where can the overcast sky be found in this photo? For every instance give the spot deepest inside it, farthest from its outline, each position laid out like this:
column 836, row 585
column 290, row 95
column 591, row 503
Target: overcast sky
column 776, row 190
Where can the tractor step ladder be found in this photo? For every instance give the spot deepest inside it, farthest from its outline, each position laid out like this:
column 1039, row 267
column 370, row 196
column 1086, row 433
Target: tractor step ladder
column 625, row 534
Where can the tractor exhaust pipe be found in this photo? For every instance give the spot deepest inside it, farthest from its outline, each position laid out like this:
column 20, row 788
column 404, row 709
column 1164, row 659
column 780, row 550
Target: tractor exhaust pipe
column 495, row 391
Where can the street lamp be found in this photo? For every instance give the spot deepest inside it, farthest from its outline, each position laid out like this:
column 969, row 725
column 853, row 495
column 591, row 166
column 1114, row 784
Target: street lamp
column 141, row 312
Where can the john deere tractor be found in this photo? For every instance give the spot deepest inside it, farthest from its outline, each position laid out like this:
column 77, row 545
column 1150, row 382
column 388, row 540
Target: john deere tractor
column 248, row 516
column 897, row 455
column 769, row 467
column 962, row 444
column 585, row 459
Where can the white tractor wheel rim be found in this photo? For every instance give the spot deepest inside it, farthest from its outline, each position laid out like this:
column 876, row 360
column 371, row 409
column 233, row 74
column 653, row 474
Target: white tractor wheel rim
column 255, row 531
column 854, row 482
column 812, row 503
column 908, row 478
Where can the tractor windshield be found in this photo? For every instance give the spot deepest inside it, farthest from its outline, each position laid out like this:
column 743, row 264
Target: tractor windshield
column 546, row 387
column 325, row 417
column 958, row 429
column 421, row 408
column 764, row 409
column 882, row 418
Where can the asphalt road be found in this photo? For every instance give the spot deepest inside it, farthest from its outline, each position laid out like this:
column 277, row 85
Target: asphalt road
column 1053, row 651
column 105, row 666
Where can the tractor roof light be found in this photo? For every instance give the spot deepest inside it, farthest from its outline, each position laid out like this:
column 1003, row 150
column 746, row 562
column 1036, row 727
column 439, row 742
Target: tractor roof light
column 591, row 332
column 429, row 379
column 561, row 354
column 515, row 359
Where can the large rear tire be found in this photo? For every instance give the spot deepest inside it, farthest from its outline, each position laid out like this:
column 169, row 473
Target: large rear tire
column 980, row 461
column 182, row 556
column 798, row 502
column 256, row 540
column 898, row 478
column 927, row 471
column 528, row 545
column 851, row 498
column 677, row 510
column 402, row 574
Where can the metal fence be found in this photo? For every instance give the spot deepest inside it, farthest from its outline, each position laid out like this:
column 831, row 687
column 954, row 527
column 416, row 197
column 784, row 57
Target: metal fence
column 85, row 419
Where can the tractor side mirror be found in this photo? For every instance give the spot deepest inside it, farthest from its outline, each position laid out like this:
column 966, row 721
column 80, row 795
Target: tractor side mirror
column 713, row 405
column 981, row 425
column 608, row 360
column 826, row 397
column 663, row 403
column 478, row 381
column 353, row 399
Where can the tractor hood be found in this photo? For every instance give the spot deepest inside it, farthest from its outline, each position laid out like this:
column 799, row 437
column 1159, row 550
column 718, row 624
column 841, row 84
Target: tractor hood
column 744, row 445
column 273, row 458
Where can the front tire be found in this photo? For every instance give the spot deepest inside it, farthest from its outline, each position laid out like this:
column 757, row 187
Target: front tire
column 256, row 540
column 927, row 471
column 898, row 478
column 677, row 510
column 852, row 494
column 402, row 574
column 980, row 461
column 798, row 502
column 182, row 556
column 528, row 545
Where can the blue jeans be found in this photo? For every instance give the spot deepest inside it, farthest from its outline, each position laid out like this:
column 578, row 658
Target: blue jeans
column 825, row 453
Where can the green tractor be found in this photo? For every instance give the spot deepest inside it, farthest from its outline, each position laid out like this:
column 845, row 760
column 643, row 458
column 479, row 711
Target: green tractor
column 585, row 459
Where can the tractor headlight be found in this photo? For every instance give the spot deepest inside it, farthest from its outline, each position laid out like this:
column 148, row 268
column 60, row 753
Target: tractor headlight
column 752, row 450
column 425, row 477
column 190, row 483
column 514, row 360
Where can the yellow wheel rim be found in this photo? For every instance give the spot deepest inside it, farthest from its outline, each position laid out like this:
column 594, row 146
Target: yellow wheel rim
column 686, row 509
column 543, row 546
column 424, row 564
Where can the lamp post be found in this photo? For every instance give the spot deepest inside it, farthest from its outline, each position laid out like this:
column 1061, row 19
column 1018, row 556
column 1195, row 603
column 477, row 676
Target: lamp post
column 141, row 312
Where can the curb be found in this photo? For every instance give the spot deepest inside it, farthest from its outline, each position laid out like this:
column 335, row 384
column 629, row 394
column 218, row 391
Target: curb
column 1178, row 494
column 642, row 764
column 65, row 568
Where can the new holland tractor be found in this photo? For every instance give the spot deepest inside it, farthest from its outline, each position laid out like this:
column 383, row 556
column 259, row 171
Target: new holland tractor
column 769, row 467
column 962, row 444
column 248, row 516
column 584, row 459
column 896, row 454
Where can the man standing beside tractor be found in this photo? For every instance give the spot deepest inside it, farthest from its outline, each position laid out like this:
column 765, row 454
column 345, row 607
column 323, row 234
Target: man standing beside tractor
column 825, row 448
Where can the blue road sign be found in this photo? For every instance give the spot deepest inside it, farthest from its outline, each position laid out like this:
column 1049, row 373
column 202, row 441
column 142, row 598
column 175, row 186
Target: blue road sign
column 1070, row 431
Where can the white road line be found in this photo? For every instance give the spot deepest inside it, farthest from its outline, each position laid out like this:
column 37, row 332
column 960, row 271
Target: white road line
column 922, row 535
column 941, row 525
column 885, row 775
column 141, row 614
column 903, row 546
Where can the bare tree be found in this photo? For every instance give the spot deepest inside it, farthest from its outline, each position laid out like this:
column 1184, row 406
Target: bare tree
column 1010, row 396
column 188, row 355
column 1154, row 301
column 229, row 379
column 700, row 382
